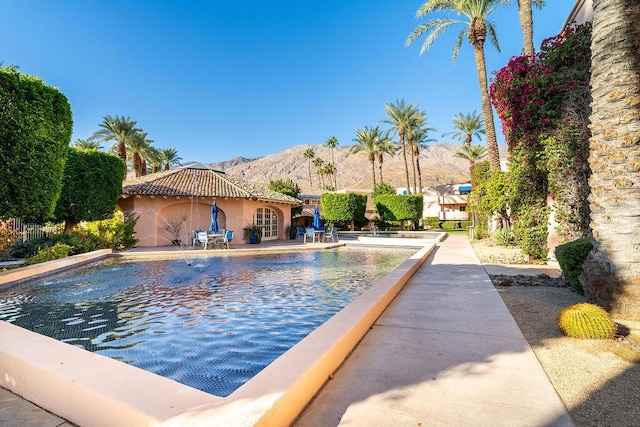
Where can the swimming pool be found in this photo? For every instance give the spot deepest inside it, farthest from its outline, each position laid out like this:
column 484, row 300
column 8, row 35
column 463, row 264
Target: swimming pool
column 211, row 325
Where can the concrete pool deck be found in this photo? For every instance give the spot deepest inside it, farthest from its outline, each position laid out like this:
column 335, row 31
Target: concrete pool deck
column 446, row 351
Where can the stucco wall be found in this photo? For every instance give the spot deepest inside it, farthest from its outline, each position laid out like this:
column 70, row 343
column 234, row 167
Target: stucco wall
column 234, row 214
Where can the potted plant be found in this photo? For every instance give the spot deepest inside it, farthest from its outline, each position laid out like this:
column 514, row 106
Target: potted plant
column 291, row 230
column 173, row 226
column 253, row 233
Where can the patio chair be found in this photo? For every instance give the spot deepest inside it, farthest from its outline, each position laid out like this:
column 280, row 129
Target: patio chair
column 300, row 232
column 195, row 237
column 333, row 235
column 226, row 239
column 310, row 233
column 202, row 238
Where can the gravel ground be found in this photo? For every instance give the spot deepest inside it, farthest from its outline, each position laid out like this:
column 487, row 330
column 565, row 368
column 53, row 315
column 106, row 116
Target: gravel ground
column 595, row 379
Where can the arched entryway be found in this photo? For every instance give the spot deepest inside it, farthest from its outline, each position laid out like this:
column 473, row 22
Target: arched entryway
column 268, row 219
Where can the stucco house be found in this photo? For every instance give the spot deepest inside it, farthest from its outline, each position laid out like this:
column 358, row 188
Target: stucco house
column 189, row 192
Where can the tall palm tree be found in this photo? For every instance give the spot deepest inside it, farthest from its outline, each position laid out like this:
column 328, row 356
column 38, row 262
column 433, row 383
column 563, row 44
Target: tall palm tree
column 329, row 170
column 118, row 129
column 332, row 143
column 169, row 157
column 367, row 141
column 309, row 155
column 319, row 163
column 385, row 146
column 401, row 115
column 466, row 127
column 477, row 27
column 419, row 140
column 612, row 269
column 153, row 155
column 415, row 122
column 473, row 154
column 87, row 144
column 138, row 147
column 526, row 22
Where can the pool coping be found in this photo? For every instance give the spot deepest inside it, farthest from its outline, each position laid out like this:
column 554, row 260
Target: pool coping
column 89, row 389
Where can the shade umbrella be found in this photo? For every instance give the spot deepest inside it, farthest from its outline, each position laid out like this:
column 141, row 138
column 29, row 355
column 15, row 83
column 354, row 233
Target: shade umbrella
column 214, row 218
column 316, row 218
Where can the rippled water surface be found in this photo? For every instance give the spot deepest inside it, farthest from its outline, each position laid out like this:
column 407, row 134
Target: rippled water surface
column 211, row 325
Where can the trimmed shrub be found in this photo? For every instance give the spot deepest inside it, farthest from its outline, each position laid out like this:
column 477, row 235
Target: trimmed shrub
column 399, row 207
column 431, row 222
column 586, row 321
column 348, row 207
column 571, row 256
column 34, row 139
column 57, row 251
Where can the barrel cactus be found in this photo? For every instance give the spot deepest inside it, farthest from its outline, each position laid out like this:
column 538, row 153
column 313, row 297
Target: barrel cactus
column 586, row 321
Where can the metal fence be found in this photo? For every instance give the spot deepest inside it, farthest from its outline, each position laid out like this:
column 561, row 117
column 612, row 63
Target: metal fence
column 33, row 231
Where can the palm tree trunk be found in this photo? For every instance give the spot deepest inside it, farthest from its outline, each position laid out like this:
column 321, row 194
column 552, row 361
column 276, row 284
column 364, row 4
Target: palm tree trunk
column 487, row 111
column 467, row 139
column 122, row 152
column 372, row 160
column 333, row 171
column 413, row 161
column 418, row 168
column 406, row 165
column 526, row 22
column 380, row 163
column 310, row 180
column 612, row 271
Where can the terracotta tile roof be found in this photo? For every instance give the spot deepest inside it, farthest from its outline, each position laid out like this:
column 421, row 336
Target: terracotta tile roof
column 200, row 181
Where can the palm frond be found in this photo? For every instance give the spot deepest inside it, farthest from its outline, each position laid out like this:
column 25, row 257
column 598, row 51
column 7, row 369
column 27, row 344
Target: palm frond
column 458, row 45
column 493, row 36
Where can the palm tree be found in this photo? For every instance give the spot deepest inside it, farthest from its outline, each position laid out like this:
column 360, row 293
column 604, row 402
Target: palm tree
column 400, row 117
column 415, row 122
column 385, row 146
column 612, row 268
column 473, row 154
column 332, row 143
column 309, row 155
column 368, row 140
column 138, row 147
column 169, row 157
column 153, row 155
column 420, row 138
column 466, row 127
column 87, row 144
column 329, row 170
column 319, row 163
column 526, row 22
column 120, row 130
column 477, row 28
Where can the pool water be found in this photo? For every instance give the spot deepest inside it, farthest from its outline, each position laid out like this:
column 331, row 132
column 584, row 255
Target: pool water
column 211, row 324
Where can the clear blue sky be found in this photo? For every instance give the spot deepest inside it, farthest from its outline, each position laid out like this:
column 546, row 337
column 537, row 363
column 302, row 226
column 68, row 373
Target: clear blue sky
column 219, row 79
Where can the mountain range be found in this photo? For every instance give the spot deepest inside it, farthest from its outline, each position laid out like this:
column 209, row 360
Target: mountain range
column 437, row 164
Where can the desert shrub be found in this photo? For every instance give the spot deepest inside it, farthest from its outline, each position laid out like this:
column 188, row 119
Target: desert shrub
column 586, row 321
column 431, row 222
column 571, row 256
column 115, row 233
column 503, row 237
column 57, row 251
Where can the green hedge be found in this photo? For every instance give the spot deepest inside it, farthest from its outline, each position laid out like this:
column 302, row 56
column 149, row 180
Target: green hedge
column 339, row 207
column 35, row 132
column 399, row 207
column 91, row 185
column 571, row 256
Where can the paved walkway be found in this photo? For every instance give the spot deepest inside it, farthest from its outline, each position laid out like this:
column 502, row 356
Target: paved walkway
column 445, row 352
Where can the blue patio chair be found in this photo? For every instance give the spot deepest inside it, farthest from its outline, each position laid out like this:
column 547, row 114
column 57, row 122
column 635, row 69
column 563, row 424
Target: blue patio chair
column 300, row 232
column 333, row 235
column 225, row 239
column 310, row 233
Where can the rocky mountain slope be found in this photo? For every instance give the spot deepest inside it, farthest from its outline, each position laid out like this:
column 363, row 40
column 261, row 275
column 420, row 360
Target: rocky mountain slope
column 437, row 163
